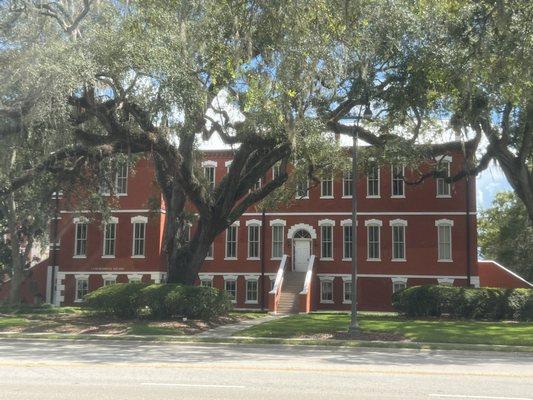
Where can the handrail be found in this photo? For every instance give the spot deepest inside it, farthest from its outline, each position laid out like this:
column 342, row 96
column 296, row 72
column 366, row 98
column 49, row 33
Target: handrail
column 308, row 275
column 279, row 276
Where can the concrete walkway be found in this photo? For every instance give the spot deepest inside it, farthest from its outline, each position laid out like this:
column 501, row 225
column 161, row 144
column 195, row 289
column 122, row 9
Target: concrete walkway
column 225, row 331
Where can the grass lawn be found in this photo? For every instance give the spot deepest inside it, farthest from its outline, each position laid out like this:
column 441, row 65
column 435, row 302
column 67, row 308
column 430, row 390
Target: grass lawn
column 74, row 321
column 331, row 325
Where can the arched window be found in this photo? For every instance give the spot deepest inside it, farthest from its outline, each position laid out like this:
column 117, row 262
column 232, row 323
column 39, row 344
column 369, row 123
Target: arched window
column 301, row 234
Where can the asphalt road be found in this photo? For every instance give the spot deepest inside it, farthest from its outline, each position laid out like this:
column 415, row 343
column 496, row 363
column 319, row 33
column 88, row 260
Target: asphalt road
column 47, row 370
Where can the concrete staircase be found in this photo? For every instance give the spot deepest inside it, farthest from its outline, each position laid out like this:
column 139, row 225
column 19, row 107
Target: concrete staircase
column 293, row 283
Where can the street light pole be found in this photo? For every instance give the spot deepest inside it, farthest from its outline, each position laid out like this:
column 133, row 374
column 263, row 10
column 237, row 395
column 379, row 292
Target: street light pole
column 352, row 330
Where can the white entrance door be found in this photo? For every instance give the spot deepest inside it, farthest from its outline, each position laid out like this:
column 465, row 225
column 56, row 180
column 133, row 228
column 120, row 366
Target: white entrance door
column 302, row 252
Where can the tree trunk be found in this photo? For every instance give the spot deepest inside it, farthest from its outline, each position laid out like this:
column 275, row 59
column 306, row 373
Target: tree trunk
column 17, row 272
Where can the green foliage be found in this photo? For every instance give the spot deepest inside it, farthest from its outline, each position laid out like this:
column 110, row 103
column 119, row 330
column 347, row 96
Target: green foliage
column 121, row 299
column 159, row 301
column 479, row 303
column 505, row 234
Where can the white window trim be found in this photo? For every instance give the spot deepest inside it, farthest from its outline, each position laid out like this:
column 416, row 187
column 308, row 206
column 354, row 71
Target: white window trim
column 77, row 279
column 446, row 281
column 370, row 223
column 332, row 195
column 77, row 221
column 330, row 280
column 209, row 163
column 393, row 223
column 392, row 195
column 327, row 223
column 251, row 278
column 236, row 225
column 139, row 219
column 112, row 220
column 374, row 196
column 306, row 197
column 135, row 278
column 345, row 223
column 127, row 181
column 447, row 160
column 282, row 224
column 344, row 281
column 255, row 223
column 212, row 257
column 231, row 278
column 449, row 223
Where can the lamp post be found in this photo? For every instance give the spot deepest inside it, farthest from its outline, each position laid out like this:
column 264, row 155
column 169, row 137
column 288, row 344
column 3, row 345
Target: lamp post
column 352, row 330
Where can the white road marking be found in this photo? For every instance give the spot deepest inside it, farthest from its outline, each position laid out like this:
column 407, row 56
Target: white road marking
column 461, row 396
column 193, row 385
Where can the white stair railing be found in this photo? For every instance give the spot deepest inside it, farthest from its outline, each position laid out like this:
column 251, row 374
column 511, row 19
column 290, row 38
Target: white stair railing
column 308, row 275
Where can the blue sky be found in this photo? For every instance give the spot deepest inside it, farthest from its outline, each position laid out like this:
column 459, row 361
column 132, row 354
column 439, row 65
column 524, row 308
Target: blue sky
column 490, row 182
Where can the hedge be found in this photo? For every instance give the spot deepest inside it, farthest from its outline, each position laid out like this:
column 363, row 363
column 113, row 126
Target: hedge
column 159, row 301
column 473, row 303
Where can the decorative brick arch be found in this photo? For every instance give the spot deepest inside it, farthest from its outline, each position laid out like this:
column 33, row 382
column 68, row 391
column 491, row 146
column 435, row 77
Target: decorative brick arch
column 295, row 228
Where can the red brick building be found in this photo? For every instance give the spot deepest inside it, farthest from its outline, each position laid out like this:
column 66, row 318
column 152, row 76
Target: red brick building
column 293, row 258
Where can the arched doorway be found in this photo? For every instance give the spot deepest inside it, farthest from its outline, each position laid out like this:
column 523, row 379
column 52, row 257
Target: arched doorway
column 301, row 250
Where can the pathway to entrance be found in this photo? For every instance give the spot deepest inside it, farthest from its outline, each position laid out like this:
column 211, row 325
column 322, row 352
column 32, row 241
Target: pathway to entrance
column 225, row 331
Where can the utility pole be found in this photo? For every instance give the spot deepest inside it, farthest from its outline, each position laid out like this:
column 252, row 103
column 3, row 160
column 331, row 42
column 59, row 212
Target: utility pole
column 352, row 330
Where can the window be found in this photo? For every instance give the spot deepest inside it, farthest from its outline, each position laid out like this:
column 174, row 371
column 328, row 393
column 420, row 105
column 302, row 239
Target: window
column 253, row 241
column 372, row 182
column 206, row 282
column 373, row 238
column 277, row 241
column 122, row 179
column 398, row 184
column 82, row 288
column 209, row 174
column 444, row 234
column 256, row 186
column 186, row 233
column 327, row 242
column 302, row 189
column 326, row 187
column 347, row 238
column 443, row 187
column 398, row 285
column 230, row 286
column 139, row 236
column 251, row 291
column 80, row 241
column 110, row 236
column 347, row 184
column 398, row 239
column 114, row 179
column 276, row 170
column 210, row 252
column 326, row 291
column 110, row 280
column 231, row 242
column 347, row 298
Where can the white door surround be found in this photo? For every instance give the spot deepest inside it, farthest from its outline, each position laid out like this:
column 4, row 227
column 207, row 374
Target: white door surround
column 302, row 252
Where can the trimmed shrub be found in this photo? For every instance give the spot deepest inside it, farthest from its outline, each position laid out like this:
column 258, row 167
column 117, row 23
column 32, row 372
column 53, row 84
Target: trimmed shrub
column 159, row 301
column 120, row 299
column 474, row 303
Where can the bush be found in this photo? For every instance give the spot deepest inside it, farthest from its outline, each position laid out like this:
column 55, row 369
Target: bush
column 120, row 299
column 475, row 303
column 160, row 301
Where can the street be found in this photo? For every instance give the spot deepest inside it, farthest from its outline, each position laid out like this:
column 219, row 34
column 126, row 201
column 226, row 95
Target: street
column 46, row 370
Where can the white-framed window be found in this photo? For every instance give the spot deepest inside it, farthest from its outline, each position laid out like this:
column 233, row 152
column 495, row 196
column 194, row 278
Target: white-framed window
column 398, row 239
column 444, row 239
column 116, row 180
column 256, row 186
column 373, row 240
column 372, row 182
column 206, row 282
column 231, row 242
column 228, row 165
column 109, row 280
column 209, row 168
column 276, row 170
column 347, row 184
column 443, row 187
column 230, row 286
column 326, row 242
column 80, row 239
column 139, row 236
column 347, row 287
column 398, row 285
column 210, row 252
column 252, row 291
column 254, row 239
column 135, row 278
column 398, row 183
column 326, row 187
column 326, row 291
column 278, row 232
column 347, row 240
column 82, row 288
column 110, row 237
column 302, row 189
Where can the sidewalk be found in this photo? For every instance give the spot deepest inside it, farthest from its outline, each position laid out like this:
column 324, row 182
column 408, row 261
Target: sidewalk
column 226, row 331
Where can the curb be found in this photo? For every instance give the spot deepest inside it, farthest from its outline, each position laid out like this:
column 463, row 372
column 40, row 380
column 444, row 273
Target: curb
column 273, row 341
